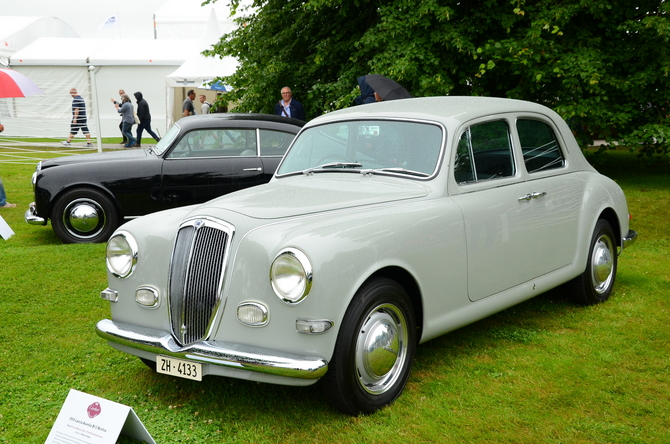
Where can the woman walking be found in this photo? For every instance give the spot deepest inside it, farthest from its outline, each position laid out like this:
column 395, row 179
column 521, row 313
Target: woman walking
column 125, row 108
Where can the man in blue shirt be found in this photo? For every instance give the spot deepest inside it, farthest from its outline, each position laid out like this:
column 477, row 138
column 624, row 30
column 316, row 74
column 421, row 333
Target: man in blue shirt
column 288, row 106
column 78, row 119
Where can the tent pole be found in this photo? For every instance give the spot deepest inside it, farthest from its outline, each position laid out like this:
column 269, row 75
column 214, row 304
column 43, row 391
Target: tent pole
column 94, row 88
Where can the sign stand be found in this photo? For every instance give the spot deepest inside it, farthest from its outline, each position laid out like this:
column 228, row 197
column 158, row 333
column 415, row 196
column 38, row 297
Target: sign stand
column 5, row 230
column 87, row 419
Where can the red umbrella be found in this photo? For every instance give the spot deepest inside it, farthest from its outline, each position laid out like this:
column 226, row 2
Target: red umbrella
column 15, row 84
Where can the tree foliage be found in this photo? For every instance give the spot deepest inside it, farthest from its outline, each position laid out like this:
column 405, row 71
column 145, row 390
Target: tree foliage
column 604, row 65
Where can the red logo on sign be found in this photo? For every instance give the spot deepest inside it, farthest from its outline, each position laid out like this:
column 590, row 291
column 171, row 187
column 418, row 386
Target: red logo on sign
column 94, row 410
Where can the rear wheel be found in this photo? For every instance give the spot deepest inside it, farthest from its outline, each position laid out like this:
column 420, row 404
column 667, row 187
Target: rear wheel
column 374, row 351
column 84, row 215
column 596, row 283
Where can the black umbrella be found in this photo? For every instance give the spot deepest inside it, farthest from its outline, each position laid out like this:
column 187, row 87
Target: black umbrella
column 387, row 88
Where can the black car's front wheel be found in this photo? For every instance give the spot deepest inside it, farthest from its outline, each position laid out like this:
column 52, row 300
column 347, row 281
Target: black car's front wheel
column 84, row 215
column 374, row 351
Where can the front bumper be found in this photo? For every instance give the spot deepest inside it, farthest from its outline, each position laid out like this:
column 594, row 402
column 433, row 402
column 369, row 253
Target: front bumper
column 230, row 355
column 31, row 216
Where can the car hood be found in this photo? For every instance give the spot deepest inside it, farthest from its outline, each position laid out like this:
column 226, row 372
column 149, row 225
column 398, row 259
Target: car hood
column 130, row 155
column 301, row 195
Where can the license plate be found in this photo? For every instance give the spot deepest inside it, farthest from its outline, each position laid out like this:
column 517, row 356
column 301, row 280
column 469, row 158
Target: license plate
column 179, row 367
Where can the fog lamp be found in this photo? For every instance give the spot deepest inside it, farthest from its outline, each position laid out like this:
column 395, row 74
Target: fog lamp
column 253, row 314
column 147, row 297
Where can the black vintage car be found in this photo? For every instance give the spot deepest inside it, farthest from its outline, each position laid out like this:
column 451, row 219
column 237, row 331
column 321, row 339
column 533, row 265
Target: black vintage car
column 201, row 157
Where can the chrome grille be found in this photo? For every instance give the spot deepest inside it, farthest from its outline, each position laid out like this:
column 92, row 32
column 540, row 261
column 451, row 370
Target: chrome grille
column 196, row 277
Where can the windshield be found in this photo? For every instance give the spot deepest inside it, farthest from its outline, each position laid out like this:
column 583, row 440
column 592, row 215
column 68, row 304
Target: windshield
column 370, row 146
column 167, row 140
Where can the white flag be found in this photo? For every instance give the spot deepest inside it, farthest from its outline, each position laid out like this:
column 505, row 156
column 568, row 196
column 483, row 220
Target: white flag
column 112, row 21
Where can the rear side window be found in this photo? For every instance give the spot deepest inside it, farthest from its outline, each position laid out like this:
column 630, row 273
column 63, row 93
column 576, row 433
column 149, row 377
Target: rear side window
column 539, row 145
column 484, row 152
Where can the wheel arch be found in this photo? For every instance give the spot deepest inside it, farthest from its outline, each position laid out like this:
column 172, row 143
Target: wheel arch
column 85, row 186
column 405, row 279
column 610, row 216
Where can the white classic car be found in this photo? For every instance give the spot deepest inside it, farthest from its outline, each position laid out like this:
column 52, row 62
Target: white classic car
column 385, row 225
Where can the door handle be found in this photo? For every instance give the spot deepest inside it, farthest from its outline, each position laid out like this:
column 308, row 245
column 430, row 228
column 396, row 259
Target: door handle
column 259, row 169
column 530, row 196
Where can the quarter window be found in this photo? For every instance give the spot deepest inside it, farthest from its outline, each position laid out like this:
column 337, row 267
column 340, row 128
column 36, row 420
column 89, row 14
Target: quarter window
column 539, row 145
column 484, row 152
column 275, row 143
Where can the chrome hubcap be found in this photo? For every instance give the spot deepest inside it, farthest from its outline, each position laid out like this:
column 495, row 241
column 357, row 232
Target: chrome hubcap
column 83, row 218
column 602, row 264
column 381, row 349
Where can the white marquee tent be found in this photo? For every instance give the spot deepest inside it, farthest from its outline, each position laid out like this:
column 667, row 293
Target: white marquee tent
column 58, row 64
column 187, row 19
column 18, row 32
column 197, row 71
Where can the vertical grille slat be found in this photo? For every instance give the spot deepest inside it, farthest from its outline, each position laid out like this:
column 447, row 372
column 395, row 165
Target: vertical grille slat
column 196, row 273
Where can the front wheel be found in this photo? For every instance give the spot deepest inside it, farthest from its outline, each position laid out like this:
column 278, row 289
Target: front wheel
column 595, row 284
column 374, row 351
column 84, row 215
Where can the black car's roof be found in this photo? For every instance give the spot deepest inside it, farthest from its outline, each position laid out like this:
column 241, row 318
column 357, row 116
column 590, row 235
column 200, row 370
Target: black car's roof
column 251, row 119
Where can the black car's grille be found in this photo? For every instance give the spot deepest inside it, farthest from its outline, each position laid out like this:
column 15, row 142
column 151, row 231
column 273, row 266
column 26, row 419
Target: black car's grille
column 196, row 277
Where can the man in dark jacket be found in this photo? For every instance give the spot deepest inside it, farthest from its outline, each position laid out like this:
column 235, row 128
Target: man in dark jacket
column 288, row 106
column 144, row 116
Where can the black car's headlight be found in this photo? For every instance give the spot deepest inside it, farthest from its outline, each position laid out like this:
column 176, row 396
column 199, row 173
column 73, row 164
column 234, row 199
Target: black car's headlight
column 122, row 254
column 291, row 275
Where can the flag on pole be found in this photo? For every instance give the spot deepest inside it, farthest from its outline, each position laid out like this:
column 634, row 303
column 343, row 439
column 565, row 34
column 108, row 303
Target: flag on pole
column 111, row 21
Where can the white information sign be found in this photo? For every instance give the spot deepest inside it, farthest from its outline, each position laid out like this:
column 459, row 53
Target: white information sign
column 85, row 419
column 5, row 231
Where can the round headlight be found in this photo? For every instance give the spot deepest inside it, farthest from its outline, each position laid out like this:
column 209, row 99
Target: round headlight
column 291, row 275
column 121, row 254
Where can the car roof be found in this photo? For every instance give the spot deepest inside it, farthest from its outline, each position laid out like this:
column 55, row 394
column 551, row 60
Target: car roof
column 444, row 109
column 225, row 119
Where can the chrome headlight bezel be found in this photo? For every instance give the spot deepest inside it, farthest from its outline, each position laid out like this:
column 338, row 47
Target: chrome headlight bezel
column 291, row 276
column 121, row 254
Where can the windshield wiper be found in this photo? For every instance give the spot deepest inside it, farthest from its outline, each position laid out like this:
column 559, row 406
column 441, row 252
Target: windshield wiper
column 401, row 171
column 342, row 165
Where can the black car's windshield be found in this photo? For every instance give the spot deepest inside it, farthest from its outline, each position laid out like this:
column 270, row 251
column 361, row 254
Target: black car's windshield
column 167, row 140
column 369, row 146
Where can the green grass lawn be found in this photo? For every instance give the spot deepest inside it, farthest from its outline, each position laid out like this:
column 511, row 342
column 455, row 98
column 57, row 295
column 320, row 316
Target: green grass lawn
column 545, row 371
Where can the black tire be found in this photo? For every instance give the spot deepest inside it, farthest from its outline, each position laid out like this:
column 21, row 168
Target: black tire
column 84, row 215
column 595, row 284
column 374, row 351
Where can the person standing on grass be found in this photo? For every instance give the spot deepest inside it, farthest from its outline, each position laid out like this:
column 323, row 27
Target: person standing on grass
column 3, row 197
column 78, row 119
column 187, row 108
column 127, row 118
column 144, row 116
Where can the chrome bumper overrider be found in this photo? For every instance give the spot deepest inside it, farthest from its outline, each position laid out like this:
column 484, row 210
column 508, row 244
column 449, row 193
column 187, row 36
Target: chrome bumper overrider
column 32, row 218
column 238, row 356
column 630, row 238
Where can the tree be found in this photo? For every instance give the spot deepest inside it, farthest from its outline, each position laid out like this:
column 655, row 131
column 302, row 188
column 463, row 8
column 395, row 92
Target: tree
column 604, row 65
